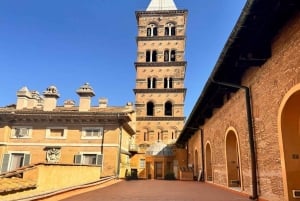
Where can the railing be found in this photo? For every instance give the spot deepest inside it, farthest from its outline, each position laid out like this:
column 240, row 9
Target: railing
column 133, row 148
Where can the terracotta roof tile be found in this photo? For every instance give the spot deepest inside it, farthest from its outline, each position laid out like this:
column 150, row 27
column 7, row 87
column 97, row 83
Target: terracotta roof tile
column 15, row 184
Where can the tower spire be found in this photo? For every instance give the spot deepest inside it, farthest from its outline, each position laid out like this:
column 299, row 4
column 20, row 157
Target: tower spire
column 161, row 5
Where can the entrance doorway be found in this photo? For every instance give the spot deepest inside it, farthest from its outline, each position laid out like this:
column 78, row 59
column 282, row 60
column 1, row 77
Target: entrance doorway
column 233, row 161
column 158, row 171
column 209, row 175
column 148, row 170
column 290, row 149
column 196, row 169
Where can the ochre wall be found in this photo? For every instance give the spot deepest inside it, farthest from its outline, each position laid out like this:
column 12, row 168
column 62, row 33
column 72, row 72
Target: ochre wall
column 54, row 177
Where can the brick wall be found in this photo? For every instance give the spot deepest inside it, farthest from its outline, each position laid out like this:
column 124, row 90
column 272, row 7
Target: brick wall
column 268, row 83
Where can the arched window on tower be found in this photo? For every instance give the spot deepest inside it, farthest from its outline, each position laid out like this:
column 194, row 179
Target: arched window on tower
column 168, row 108
column 170, row 29
column 159, row 136
column 166, row 55
column 169, row 55
column 152, row 30
column 151, row 56
column 168, row 83
column 150, row 109
column 174, row 134
column 148, row 56
column 154, row 83
column 173, row 31
column 151, row 82
column 146, row 136
column 154, row 56
column 173, row 55
column 155, row 31
column 167, row 30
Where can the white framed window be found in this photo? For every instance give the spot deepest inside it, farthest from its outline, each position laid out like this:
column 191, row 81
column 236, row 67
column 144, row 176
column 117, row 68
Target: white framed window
column 152, row 30
column 142, row 163
column 56, row 132
column 170, row 29
column 21, row 132
column 89, row 158
column 92, row 133
column 14, row 160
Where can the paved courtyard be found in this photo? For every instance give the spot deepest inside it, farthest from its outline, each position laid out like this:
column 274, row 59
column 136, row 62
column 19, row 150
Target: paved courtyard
column 159, row 190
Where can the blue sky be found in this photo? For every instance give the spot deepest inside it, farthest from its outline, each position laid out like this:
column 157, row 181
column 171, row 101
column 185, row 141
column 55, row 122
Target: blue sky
column 69, row 42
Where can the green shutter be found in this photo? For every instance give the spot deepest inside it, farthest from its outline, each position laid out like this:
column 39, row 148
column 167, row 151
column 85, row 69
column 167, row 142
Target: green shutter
column 26, row 159
column 77, row 159
column 99, row 160
column 5, row 164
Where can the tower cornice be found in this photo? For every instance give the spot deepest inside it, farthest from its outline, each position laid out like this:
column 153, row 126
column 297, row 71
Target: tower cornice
column 159, row 38
column 160, row 13
column 160, row 64
column 160, row 118
column 161, row 91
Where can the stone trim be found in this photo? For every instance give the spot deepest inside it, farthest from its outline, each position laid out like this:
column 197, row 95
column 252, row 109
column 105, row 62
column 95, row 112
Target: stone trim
column 160, row 118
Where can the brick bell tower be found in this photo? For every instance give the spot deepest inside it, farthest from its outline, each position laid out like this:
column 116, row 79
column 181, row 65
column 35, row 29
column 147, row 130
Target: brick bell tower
column 159, row 92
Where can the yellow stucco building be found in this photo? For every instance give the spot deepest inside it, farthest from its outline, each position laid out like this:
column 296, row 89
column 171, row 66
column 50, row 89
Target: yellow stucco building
column 36, row 131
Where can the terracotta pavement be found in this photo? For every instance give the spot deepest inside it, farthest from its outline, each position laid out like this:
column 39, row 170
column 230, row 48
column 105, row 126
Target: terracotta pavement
column 158, row 190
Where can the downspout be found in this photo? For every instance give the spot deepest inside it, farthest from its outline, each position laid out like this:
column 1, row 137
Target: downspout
column 202, row 154
column 250, row 136
column 187, row 154
column 119, row 151
column 102, row 149
column 102, row 143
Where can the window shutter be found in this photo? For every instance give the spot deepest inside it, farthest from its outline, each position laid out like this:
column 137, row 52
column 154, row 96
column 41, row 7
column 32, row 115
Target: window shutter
column 99, row 160
column 77, row 159
column 5, row 161
column 26, row 159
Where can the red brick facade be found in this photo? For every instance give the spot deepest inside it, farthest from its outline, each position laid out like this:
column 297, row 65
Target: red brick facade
column 225, row 133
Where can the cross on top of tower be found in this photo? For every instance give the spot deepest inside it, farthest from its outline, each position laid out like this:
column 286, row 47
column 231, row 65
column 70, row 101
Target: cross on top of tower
column 161, row 5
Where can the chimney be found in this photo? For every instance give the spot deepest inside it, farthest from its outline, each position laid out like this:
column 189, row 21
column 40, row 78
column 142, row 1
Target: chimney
column 103, row 102
column 85, row 93
column 69, row 103
column 35, row 99
column 51, row 95
column 23, row 96
column 129, row 105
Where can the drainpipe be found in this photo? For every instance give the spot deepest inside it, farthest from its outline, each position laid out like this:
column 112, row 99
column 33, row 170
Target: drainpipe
column 102, row 149
column 254, row 195
column 187, row 155
column 202, row 154
column 120, row 146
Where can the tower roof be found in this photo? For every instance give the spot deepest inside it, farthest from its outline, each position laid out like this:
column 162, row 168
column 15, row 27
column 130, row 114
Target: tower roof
column 161, row 5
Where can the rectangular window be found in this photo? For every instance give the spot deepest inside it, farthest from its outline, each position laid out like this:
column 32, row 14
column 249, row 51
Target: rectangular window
column 14, row 160
column 142, row 163
column 89, row 159
column 92, row 133
column 56, row 133
column 21, row 132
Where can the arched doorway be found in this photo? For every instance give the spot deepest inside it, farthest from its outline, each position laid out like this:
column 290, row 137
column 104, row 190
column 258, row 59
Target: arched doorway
column 289, row 126
column 196, row 159
column 232, row 160
column 208, row 165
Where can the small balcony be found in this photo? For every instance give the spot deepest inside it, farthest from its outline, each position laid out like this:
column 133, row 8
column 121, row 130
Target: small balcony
column 133, row 148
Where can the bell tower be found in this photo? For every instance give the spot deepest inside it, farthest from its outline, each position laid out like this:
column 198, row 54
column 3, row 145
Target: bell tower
column 160, row 72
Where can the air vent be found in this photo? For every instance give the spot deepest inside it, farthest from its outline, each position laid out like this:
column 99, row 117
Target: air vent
column 296, row 194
